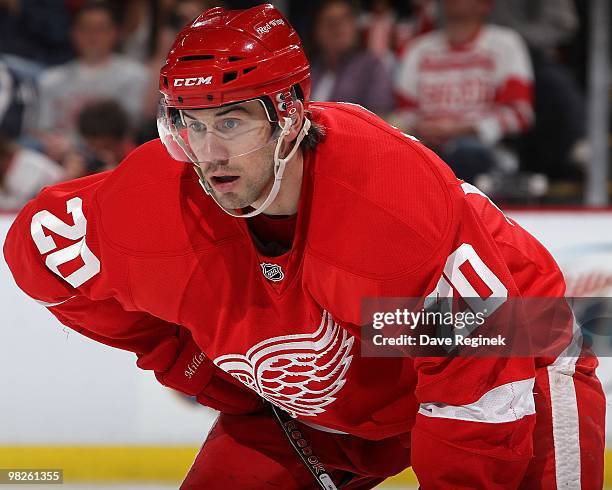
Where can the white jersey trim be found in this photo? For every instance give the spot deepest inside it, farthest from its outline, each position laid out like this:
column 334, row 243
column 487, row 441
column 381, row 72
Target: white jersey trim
column 49, row 305
column 505, row 403
column 564, row 408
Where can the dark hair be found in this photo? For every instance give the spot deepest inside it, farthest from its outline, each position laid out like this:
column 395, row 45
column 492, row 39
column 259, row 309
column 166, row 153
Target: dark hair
column 315, row 135
column 103, row 118
column 93, row 5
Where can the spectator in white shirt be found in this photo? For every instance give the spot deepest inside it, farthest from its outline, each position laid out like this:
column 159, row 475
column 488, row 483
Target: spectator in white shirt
column 97, row 73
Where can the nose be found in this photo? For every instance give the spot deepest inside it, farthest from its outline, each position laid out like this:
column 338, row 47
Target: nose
column 212, row 149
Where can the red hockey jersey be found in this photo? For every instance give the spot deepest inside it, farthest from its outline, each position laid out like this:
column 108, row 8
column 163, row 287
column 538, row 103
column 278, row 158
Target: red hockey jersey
column 140, row 259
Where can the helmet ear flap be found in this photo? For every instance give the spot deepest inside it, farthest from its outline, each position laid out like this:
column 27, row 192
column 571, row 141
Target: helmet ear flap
column 284, row 105
column 295, row 115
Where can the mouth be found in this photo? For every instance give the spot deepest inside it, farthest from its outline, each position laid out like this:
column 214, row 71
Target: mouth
column 223, row 183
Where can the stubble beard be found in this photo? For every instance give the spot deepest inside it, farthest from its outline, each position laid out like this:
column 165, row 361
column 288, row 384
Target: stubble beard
column 254, row 187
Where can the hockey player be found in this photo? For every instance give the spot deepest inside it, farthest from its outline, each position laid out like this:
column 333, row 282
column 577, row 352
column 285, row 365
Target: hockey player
column 249, row 297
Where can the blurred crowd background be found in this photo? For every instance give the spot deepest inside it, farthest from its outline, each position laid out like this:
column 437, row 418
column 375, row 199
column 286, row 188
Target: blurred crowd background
column 498, row 88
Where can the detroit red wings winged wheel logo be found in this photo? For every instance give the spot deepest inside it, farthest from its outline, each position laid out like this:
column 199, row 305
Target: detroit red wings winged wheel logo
column 298, row 373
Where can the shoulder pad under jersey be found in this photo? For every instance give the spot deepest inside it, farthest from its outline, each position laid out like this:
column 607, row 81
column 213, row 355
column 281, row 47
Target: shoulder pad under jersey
column 382, row 205
column 155, row 204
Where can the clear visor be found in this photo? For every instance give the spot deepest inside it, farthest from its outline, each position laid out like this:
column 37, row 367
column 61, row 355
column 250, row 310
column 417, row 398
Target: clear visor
column 215, row 134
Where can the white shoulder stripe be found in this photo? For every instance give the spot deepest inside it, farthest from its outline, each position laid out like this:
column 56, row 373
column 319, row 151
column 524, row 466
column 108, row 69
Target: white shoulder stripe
column 506, row 403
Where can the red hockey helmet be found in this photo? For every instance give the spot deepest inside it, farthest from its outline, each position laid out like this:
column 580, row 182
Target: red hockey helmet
column 228, row 56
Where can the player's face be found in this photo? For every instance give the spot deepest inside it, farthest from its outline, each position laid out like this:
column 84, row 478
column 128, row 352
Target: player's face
column 234, row 146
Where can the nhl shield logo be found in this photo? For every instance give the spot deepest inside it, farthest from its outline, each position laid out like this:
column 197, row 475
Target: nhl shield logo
column 272, row 272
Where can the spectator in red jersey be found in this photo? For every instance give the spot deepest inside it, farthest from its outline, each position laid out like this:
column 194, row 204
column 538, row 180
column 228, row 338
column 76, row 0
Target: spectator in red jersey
column 464, row 88
column 342, row 71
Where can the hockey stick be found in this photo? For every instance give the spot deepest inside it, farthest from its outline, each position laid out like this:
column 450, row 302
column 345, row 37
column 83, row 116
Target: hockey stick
column 303, row 449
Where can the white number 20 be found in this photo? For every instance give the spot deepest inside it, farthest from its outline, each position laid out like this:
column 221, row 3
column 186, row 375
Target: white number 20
column 46, row 244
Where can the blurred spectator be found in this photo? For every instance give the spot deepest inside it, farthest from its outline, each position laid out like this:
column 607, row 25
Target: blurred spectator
column 544, row 24
column 140, row 28
column 96, row 73
column 387, row 34
column 172, row 15
column 463, row 88
column 23, row 173
column 559, row 135
column 176, row 14
column 144, row 22
column 105, row 140
column 380, row 30
column 36, row 29
column 341, row 71
column 187, row 10
column 17, row 101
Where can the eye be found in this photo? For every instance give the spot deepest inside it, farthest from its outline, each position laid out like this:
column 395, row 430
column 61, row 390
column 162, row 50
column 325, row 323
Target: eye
column 229, row 124
column 196, row 126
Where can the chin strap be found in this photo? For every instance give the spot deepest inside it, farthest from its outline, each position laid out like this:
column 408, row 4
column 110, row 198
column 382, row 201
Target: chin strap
column 279, row 169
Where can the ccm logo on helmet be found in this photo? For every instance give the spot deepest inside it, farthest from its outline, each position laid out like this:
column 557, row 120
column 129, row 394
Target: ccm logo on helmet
column 192, row 82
